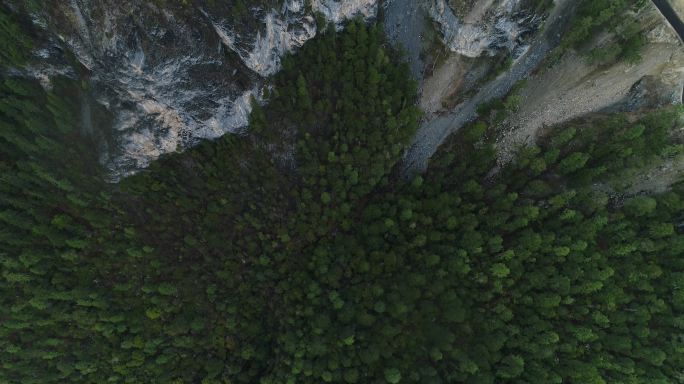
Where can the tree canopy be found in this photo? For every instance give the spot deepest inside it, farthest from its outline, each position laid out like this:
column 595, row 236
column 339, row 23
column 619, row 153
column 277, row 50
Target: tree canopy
column 295, row 254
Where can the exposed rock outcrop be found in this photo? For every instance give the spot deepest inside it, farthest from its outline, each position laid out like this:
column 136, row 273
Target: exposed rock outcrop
column 172, row 75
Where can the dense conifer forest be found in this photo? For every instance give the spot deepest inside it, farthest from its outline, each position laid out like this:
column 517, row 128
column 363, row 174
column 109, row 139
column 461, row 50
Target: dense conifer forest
column 298, row 252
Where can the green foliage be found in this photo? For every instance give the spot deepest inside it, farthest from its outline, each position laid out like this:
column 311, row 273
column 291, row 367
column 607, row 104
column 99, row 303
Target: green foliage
column 292, row 255
column 392, row 375
column 616, row 16
column 15, row 43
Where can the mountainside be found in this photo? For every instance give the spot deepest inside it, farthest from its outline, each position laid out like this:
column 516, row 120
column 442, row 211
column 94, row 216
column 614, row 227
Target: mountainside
column 575, row 86
column 162, row 76
column 341, row 191
column 552, row 82
column 169, row 74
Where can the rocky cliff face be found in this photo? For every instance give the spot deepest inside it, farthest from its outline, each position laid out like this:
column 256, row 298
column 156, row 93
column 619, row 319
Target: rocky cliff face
column 170, row 75
column 487, row 27
column 166, row 75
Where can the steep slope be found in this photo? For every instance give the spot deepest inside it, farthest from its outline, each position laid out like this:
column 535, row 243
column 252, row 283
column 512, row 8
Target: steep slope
column 578, row 83
column 574, row 86
column 169, row 74
column 160, row 76
column 435, row 129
